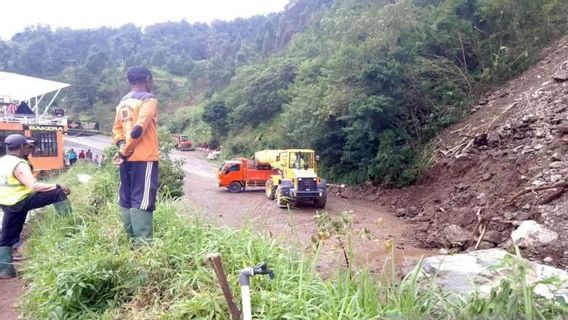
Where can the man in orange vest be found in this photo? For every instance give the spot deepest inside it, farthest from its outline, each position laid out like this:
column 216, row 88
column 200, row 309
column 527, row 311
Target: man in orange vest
column 19, row 193
column 135, row 133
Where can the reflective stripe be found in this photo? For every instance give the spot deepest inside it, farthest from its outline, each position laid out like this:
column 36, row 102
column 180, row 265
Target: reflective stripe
column 147, row 184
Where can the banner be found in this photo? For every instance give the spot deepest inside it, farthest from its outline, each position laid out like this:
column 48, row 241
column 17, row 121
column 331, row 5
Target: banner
column 76, row 125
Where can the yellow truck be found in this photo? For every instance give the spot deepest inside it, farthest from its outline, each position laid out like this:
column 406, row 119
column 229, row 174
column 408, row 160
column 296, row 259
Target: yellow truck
column 297, row 180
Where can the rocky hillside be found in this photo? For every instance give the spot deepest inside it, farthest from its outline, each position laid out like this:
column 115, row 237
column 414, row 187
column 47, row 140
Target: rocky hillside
column 505, row 164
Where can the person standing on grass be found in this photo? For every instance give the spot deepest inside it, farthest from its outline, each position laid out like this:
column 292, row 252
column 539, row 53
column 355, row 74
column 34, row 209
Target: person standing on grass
column 135, row 133
column 19, row 193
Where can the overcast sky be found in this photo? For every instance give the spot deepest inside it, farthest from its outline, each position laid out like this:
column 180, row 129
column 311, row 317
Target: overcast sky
column 79, row 14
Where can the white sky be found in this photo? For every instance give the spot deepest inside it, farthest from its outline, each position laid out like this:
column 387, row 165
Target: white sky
column 80, row 14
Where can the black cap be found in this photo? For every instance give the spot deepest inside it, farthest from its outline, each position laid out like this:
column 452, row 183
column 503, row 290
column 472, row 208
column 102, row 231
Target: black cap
column 138, row 74
column 14, row 141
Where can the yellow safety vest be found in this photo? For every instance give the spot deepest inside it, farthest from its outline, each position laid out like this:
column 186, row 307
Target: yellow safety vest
column 12, row 190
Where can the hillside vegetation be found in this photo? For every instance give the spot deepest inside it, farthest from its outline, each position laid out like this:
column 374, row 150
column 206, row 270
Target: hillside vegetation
column 367, row 83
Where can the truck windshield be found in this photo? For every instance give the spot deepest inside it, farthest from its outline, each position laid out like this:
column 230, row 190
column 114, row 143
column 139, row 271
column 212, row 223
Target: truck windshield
column 301, row 160
column 183, row 138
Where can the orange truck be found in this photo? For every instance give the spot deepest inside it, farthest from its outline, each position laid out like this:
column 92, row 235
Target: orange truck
column 238, row 174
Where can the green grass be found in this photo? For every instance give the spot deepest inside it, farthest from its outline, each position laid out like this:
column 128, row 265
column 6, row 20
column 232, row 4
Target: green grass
column 82, row 267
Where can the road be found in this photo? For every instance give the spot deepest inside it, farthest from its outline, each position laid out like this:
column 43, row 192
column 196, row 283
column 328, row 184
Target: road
column 295, row 226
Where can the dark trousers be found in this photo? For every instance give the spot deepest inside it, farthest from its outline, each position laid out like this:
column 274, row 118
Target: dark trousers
column 138, row 185
column 15, row 215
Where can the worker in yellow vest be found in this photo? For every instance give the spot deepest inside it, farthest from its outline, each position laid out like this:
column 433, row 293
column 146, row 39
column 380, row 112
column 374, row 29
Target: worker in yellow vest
column 19, row 193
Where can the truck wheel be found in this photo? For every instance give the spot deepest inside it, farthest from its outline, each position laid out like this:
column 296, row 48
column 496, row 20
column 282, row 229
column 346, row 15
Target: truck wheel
column 270, row 190
column 320, row 202
column 235, row 187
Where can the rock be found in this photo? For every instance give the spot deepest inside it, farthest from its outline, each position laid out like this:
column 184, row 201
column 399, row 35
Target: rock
column 538, row 182
column 561, row 75
column 529, row 118
column 461, row 186
column 557, row 165
column 531, row 235
column 347, row 193
column 556, row 157
column 486, row 177
column 480, row 140
column 481, row 271
column 555, row 178
column 493, row 236
column 484, row 245
column 456, row 235
column 548, row 259
column 482, row 199
column 400, row 212
column 521, row 215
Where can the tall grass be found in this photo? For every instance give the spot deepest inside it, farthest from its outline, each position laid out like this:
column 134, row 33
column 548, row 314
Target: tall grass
column 82, row 267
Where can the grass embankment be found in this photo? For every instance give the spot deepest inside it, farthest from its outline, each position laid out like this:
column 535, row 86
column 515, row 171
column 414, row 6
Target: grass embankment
column 82, row 267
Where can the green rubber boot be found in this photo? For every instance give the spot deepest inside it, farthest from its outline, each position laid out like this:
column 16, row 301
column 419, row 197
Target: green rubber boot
column 63, row 208
column 126, row 222
column 141, row 226
column 7, row 269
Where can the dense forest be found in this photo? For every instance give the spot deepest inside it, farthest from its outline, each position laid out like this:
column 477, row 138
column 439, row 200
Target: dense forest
column 367, row 83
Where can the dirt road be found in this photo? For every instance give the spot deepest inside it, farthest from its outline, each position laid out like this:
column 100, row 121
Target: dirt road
column 296, row 226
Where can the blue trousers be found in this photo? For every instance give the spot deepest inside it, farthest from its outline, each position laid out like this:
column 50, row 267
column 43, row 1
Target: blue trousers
column 138, row 185
column 15, row 215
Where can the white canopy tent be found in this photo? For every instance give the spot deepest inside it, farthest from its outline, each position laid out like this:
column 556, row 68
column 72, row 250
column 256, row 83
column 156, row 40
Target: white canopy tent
column 29, row 89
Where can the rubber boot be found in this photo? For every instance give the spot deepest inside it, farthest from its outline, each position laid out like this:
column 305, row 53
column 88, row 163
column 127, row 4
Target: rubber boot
column 63, row 208
column 141, row 226
column 126, row 222
column 7, row 269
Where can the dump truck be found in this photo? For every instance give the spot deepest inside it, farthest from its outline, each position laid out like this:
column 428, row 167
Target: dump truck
column 296, row 180
column 183, row 143
column 239, row 174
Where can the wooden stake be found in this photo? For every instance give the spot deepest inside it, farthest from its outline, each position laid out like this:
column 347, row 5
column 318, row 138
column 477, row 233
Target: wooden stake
column 217, row 265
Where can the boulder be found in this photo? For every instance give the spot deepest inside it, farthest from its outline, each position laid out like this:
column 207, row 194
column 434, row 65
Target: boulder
column 530, row 234
column 481, row 271
column 456, row 235
column 561, row 75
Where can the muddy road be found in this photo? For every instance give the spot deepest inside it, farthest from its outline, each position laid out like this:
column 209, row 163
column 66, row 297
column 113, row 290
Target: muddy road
column 296, row 226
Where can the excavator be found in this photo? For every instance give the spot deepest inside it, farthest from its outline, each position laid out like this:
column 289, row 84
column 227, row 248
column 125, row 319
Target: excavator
column 296, row 180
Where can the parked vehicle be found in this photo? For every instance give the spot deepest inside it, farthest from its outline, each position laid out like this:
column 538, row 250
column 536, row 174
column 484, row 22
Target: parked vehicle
column 239, row 174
